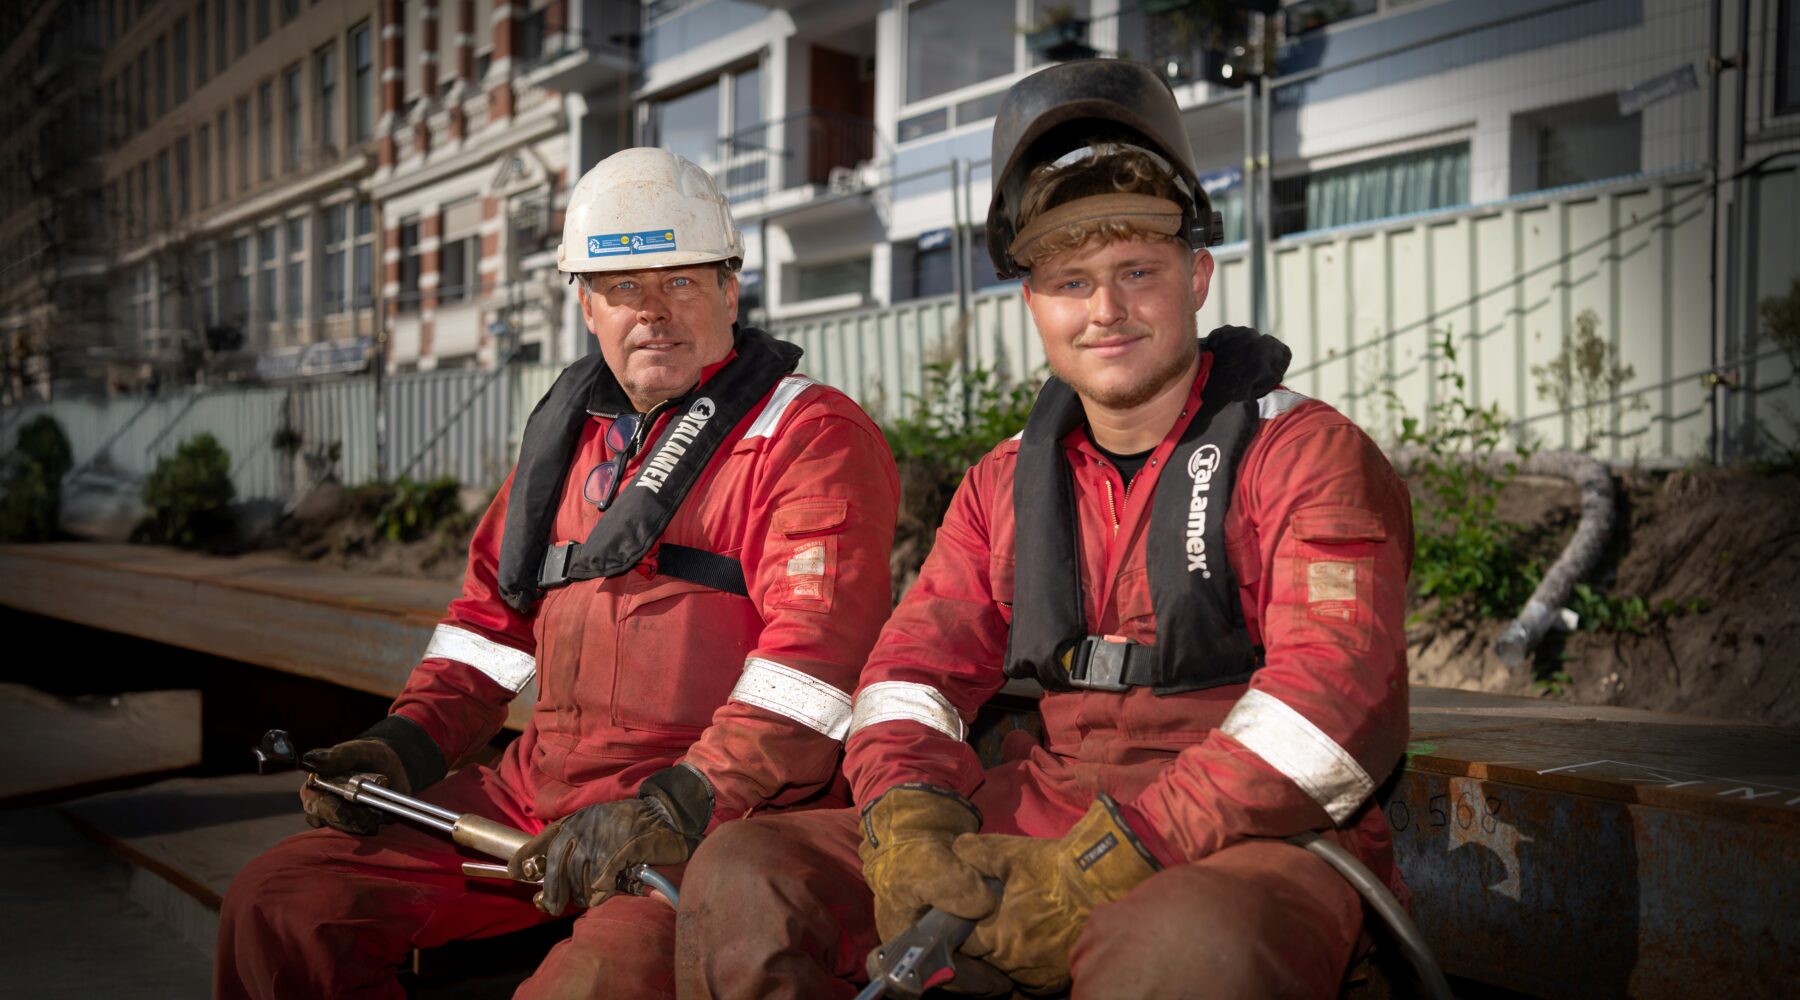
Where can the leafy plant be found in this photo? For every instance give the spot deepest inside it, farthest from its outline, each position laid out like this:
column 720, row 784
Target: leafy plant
column 28, row 512
column 1465, row 555
column 188, row 496
column 417, row 509
column 1584, row 374
column 938, row 428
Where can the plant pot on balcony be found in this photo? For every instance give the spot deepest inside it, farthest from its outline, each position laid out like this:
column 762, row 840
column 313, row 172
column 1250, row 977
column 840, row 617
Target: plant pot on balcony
column 1062, row 41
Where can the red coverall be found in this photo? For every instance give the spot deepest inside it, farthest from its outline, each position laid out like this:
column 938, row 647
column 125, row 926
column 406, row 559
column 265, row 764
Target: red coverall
column 1319, row 535
column 635, row 673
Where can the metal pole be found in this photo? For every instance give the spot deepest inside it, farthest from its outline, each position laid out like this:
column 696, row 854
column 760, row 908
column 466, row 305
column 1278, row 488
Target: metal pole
column 1266, row 197
column 959, row 262
column 1252, row 219
column 377, row 273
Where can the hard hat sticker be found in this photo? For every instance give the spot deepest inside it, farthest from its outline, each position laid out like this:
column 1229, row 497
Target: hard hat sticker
column 616, row 244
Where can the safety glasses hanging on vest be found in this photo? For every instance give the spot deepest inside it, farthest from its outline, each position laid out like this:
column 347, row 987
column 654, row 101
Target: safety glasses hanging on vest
column 623, row 438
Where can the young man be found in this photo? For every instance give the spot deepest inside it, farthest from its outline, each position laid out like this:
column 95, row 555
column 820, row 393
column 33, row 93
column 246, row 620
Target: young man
column 1205, row 571
column 691, row 556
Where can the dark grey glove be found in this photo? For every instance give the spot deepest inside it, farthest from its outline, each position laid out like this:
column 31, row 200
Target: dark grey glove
column 583, row 853
column 395, row 752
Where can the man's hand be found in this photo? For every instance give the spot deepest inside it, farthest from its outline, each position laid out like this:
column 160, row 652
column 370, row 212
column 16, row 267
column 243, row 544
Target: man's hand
column 1052, row 886
column 585, row 851
column 908, row 861
column 354, row 758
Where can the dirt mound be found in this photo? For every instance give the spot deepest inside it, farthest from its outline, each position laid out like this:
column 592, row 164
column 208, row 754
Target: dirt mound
column 344, row 527
column 1715, row 557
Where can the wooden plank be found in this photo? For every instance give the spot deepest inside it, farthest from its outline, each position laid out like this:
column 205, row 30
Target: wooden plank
column 52, row 743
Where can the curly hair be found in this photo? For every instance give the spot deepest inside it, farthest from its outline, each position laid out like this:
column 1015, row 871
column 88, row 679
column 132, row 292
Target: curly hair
column 1109, row 169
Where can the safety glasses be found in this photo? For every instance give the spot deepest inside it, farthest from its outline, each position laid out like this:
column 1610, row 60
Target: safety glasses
column 602, row 485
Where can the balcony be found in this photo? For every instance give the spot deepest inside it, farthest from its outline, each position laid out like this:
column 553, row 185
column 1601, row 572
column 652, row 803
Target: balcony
column 781, row 165
column 596, row 49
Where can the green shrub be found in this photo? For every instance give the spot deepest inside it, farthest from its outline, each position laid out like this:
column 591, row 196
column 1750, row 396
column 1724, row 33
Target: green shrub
column 188, row 497
column 937, row 429
column 28, row 512
column 417, row 509
column 1465, row 555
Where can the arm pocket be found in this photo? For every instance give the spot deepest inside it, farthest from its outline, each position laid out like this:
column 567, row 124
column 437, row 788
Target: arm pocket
column 1325, row 576
column 809, row 547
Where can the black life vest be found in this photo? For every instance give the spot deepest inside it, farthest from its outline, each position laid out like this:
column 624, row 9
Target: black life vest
column 629, row 529
column 1201, row 638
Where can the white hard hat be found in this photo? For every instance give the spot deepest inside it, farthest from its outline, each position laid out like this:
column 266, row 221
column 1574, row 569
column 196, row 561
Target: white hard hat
column 646, row 207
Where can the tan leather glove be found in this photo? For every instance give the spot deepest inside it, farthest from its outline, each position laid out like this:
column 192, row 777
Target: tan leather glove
column 1052, row 886
column 352, row 758
column 908, row 861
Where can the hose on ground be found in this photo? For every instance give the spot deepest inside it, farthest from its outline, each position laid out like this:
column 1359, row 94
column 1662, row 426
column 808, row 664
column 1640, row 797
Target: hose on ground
column 1406, row 933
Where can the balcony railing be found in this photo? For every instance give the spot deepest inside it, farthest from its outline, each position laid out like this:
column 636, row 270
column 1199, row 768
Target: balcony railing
column 802, row 148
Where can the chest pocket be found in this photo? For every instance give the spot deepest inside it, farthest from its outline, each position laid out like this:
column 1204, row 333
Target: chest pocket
column 678, row 652
column 1000, row 581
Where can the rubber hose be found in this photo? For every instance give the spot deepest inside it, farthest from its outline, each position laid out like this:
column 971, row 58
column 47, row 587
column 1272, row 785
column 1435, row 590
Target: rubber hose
column 1412, row 943
column 658, row 881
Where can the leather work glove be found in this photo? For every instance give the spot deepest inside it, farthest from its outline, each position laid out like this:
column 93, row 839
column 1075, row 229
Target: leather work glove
column 583, row 854
column 1052, row 886
column 908, row 861
column 360, row 757
column 396, row 752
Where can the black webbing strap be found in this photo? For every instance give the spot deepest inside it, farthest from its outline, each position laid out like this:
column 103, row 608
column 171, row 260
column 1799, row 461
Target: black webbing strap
column 708, row 569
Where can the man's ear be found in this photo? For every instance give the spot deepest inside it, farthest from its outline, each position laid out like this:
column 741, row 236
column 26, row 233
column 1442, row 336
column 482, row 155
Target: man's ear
column 1202, row 276
column 731, row 295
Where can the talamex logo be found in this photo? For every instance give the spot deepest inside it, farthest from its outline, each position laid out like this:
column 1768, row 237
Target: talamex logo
column 1201, row 466
column 687, row 427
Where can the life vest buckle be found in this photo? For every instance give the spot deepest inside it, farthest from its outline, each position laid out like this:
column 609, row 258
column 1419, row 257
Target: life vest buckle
column 1099, row 663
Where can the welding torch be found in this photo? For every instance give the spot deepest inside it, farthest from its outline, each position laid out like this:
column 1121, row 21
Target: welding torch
column 477, row 833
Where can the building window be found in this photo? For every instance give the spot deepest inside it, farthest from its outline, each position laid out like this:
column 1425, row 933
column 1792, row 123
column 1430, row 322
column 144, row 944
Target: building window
column 819, row 281
column 203, row 146
column 409, row 265
column 951, row 45
column 362, row 265
column 164, row 205
column 265, row 130
column 325, row 76
column 224, row 155
column 243, row 27
column 1374, row 189
column 333, row 283
column 1787, row 57
column 181, row 60
column 530, row 44
column 221, row 53
column 290, row 99
column 1575, row 144
column 268, row 277
column 460, row 251
column 262, row 20
column 1307, row 16
column 162, row 75
column 243, row 269
column 720, row 126
column 296, row 272
column 206, row 283
column 200, row 53
column 243, row 165
column 290, row 9
column 362, row 84
column 181, row 177
column 141, row 96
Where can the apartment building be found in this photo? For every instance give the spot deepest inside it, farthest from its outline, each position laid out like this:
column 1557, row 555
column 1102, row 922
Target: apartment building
column 854, row 136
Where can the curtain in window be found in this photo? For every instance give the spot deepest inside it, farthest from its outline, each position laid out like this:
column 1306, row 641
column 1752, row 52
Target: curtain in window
column 1395, row 185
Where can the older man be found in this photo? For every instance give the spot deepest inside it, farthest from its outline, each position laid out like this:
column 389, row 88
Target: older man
column 1206, row 573
column 691, row 558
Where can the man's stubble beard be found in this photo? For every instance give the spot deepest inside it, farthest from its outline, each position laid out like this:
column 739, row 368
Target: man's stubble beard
column 1132, row 396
